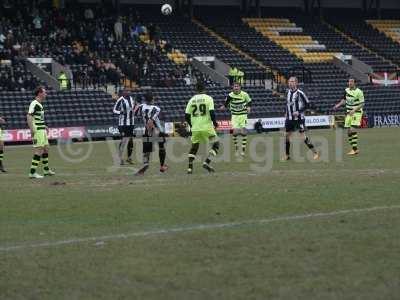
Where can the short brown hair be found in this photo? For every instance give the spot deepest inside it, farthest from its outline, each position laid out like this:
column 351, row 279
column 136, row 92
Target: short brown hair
column 200, row 86
column 148, row 97
column 39, row 90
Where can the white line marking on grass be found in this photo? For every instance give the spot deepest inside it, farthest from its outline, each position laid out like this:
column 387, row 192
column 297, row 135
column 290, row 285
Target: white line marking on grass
column 199, row 227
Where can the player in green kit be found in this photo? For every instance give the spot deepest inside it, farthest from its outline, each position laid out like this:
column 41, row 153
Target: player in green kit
column 35, row 119
column 238, row 102
column 200, row 116
column 354, row 100
column 2, row 123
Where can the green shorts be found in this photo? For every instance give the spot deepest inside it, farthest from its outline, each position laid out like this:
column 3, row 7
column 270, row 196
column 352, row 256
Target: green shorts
column 203, row 136
column 354, row 120
column 1, row 135
column 40, row 139
column 239, row 121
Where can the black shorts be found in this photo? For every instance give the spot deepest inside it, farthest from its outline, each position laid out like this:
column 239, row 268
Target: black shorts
column 294, row 125
column 127, row 130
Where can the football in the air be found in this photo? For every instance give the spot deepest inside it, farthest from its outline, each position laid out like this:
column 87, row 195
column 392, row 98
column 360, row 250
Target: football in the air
column 166, row 9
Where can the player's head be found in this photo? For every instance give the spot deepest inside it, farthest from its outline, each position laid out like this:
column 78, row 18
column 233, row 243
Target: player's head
column 293, row 82
column 149, row 97
column 200, row 87
column 124, row 93
column 40, row 93
column 236, row 87
column 352, row 83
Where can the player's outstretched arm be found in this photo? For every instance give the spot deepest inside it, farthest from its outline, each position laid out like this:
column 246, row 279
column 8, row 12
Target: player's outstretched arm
column 339, row 104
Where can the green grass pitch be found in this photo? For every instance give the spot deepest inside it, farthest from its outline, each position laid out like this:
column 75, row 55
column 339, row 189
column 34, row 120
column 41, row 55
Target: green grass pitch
column 296, row 230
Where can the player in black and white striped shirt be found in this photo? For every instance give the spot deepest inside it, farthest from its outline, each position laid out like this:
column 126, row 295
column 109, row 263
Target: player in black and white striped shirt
column 154, row 131
column 124, row 107
column 296, row 105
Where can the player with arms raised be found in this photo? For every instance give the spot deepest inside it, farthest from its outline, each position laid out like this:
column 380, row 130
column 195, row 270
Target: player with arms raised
column 153, row 130
column 200, row 116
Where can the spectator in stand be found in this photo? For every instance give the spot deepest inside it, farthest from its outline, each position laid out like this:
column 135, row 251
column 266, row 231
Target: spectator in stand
column 2, row 39
column 258, row 127
column 89, row 15
column 16, row 48
column 140, row 29
column 37, row 24
column 9, row 42
column 187, row 79
column 118, row 30
column 63, row 81
column 154, row 33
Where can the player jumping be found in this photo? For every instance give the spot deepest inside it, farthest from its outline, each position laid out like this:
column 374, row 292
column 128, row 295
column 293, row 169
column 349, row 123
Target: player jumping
column 124, row 107
column 153, row 127
column 200, row 116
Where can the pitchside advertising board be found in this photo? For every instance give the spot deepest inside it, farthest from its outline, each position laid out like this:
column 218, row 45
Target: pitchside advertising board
column 67, row 133
column 102, row 131
column 385, row 120
column 276, row 123
column 24, row 135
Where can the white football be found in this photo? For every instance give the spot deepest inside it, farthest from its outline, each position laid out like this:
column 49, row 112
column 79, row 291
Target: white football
column 166, row 9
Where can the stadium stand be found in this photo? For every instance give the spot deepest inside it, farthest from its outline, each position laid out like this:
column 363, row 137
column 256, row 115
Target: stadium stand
column 179, row 32
column 173, row 101
column 15, row 77
column 382, row 36
column 89, row 46
column 63, row 109
column 327, row 80
column 336, row 42
column 297, row 45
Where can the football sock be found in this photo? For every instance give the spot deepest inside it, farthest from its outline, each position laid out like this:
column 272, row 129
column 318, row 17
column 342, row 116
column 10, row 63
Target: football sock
column 192, row 154
column 162, row 154
column 213, row 152
column 45, row 162
column 354, row 141
column 35, row 163
column 310, row 146
column 235, row 142
column 244, row 143
column 130, row 147
column 287, row 147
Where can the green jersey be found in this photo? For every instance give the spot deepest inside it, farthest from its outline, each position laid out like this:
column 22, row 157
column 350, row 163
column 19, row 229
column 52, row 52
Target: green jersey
column 353, row 97
column 37, row 112
column 199, row 108
column 238, row 103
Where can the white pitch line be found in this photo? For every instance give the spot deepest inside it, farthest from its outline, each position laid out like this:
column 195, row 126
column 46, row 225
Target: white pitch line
column 199, row 227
